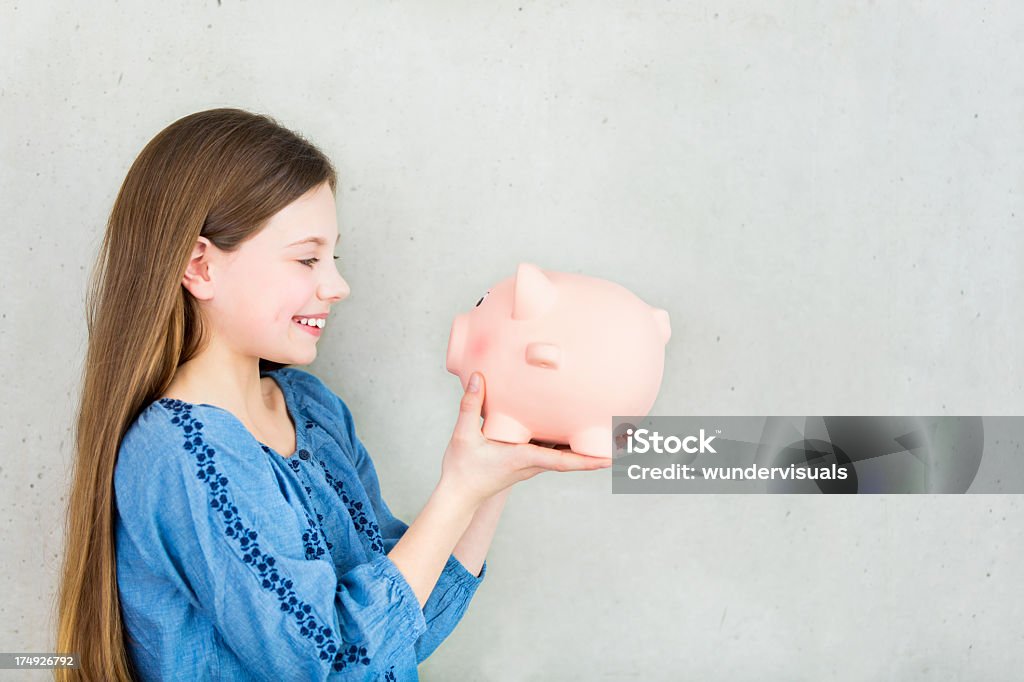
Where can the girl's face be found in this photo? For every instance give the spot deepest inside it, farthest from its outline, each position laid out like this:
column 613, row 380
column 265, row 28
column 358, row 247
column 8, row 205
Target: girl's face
column 285, row 272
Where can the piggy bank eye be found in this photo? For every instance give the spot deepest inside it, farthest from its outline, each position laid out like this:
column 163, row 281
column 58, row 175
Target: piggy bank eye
column 482, row 299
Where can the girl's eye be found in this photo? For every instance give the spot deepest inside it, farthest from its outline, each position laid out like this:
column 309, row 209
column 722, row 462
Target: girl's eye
column 482, row 299
column 311, row 261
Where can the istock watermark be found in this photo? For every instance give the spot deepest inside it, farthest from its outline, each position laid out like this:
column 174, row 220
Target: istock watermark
column 814, row 455
column 644, row 440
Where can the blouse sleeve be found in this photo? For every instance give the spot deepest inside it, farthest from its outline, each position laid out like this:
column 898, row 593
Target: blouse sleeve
column 221, row 524
column 455, row 587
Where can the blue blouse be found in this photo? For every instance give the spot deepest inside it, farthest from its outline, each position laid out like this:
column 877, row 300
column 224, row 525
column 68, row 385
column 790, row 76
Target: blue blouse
column 236, row 563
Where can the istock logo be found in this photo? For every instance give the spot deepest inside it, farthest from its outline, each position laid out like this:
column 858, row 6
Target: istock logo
column 643, row 440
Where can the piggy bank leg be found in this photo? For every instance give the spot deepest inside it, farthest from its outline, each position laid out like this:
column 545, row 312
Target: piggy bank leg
column 595, row 441
column 506, row 429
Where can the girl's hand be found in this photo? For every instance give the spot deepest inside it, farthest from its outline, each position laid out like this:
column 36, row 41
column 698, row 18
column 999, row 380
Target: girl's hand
column 478, row 468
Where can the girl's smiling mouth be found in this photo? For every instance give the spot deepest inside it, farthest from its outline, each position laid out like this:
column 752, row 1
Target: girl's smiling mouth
column 311, row 325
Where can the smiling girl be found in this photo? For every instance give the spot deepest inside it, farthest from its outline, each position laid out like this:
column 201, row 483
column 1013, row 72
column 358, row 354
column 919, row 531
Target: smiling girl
column 225, row 521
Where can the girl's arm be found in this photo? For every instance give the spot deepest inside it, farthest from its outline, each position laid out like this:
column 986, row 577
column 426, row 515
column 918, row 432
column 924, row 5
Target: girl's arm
column 449, row 598
column 443, row 523
column 423, row 550
column 463, row 511
column 446, row 521
column 472, row 548
column 434, row 531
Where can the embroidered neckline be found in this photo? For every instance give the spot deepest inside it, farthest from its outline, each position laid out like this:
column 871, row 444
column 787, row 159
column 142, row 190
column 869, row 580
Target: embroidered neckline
column 367, row 528
column 291, row 401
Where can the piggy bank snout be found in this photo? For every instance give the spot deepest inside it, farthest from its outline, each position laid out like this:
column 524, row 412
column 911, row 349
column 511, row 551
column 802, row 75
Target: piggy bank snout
column 457, row 344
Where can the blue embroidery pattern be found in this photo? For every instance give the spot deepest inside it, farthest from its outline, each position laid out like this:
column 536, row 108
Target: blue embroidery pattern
column 311, row 541
column 294, row 464
column 355, row 510
column 247, row 540
column 389, row 676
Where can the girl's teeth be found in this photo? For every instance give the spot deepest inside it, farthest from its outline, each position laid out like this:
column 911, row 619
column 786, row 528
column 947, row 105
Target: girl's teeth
column 310, row 322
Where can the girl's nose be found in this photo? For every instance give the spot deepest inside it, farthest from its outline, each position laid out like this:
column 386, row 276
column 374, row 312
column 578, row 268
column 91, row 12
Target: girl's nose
column 335, row 288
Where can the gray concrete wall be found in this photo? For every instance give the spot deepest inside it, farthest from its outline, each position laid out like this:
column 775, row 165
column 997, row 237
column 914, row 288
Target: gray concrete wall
column 825, row 196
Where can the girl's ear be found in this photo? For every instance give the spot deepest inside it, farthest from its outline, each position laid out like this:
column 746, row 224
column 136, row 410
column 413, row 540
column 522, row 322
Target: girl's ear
column 197, row 272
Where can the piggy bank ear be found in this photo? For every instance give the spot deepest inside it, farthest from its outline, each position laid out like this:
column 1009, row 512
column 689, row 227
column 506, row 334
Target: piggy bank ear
column 534, row 293
column 664, row 326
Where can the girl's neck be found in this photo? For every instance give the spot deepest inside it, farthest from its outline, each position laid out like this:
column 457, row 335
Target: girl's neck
column 229, row 381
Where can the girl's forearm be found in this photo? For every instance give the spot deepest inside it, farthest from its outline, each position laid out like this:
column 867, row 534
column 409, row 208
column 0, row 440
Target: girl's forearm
column 472, row 547
column 423, row 550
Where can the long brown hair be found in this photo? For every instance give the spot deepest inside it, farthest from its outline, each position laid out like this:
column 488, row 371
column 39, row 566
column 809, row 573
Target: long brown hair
column 220, row 174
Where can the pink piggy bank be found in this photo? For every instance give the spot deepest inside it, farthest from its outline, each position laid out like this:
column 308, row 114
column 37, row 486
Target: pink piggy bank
column 561, row 354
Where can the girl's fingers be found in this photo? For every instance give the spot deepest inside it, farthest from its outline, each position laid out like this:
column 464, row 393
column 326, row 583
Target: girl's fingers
column 563, row 460
column 468, row 424
column 556, row 446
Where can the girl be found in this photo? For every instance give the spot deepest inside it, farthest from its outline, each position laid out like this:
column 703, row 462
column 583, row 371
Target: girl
column 225, row 521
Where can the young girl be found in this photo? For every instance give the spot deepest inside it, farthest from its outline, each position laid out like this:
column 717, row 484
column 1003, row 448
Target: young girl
column 225, row 521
